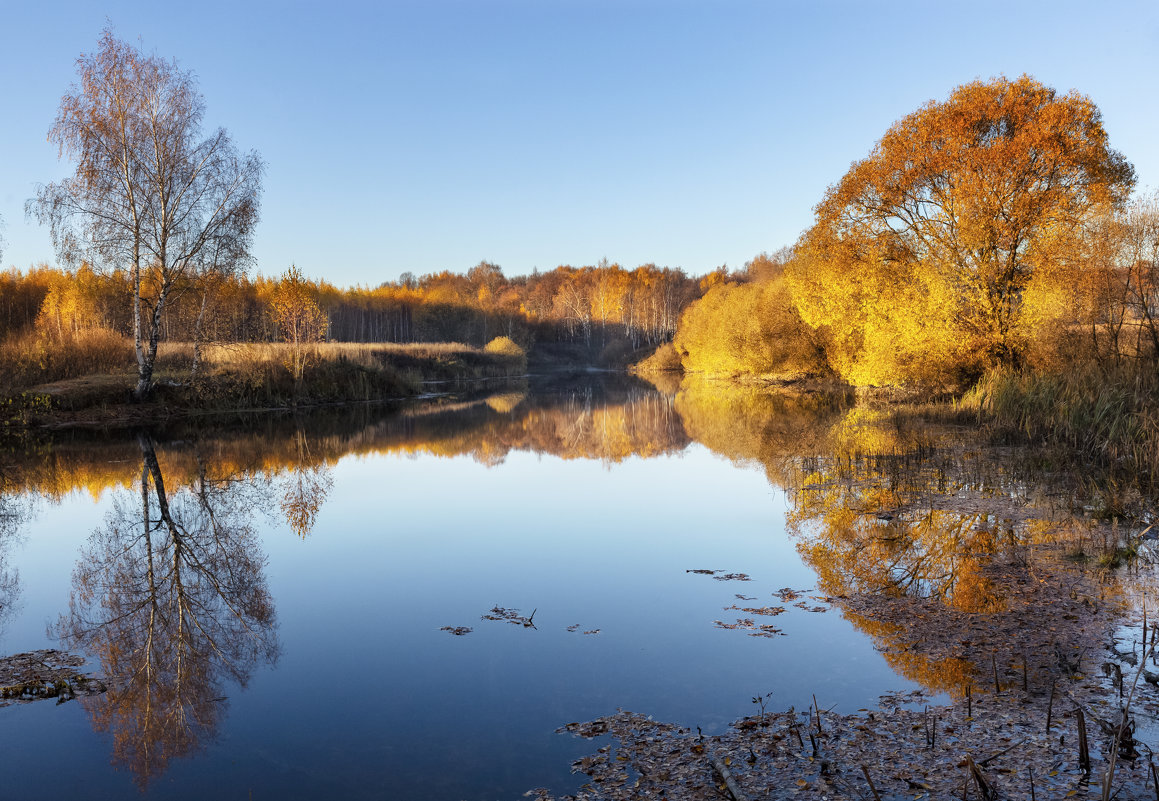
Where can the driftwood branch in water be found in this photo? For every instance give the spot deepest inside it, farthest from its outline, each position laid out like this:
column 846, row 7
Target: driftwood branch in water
column 729, row 781
column 992, row 757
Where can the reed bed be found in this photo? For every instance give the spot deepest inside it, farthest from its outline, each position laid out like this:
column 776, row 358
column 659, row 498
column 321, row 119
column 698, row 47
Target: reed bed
column 367, row 353
column 1110, row 416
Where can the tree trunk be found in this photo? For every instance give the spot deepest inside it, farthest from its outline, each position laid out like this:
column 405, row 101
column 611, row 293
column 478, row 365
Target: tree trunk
column 197, row 335
column 147, row 359
column 137, row 394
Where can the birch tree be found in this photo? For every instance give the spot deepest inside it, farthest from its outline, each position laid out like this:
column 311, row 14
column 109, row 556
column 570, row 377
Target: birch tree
column 150, row 194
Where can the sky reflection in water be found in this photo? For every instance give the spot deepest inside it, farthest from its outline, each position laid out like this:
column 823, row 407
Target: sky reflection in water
column 587, row 505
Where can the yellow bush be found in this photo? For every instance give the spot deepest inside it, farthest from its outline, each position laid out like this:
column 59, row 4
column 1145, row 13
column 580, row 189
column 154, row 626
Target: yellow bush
column 748, row 329
column 505, row 346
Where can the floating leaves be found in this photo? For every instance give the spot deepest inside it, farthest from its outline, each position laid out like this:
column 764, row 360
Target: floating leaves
column 789, row 594
column 47, row 673
column 720, row 575
column 768, row 611
column 576, row 627
column 733, row 577
column 749, row 626
column 511, row 616
column 458, row 631
column 589, row 729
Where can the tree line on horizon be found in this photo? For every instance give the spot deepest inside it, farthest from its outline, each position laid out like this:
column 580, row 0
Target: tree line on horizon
column 603, row 308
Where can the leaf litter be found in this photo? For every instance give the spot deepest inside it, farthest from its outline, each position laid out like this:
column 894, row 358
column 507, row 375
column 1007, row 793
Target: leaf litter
column 512, row 616
column 43, row 674
column 1008, row 669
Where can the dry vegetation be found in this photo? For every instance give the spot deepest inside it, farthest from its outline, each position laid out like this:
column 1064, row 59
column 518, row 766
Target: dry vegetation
column 1111, row 416
column 86, row 376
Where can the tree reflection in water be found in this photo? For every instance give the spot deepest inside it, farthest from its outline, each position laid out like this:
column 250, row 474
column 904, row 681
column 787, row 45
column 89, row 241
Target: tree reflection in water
column 14, row 511
column 307, row 483
column 926, row 537
column 170, row 596
column 887, row 510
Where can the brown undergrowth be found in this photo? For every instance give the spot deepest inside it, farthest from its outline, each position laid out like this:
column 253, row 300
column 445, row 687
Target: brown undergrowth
column 252, row 376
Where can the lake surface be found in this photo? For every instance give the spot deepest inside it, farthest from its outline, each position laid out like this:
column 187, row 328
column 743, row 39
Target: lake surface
column 266, row 600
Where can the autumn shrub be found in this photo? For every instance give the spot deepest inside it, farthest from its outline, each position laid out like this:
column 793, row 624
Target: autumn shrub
column 750, row 329
column 662, row 360
column 509, row 352
column 37, row 357
column 504, row 346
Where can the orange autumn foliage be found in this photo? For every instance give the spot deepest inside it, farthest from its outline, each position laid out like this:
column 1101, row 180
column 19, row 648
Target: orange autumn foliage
column 926, row 259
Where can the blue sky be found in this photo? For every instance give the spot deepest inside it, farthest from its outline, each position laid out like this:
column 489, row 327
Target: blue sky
column 430, row 135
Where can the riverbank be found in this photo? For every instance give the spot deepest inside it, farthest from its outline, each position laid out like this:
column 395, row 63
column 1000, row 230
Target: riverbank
column 254, row 377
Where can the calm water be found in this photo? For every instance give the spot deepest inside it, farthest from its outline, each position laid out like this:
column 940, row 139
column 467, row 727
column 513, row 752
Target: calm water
column 274, row 626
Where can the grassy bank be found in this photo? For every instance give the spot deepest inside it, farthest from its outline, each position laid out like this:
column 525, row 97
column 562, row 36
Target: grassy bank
column 88, row 379
column 1110, row 417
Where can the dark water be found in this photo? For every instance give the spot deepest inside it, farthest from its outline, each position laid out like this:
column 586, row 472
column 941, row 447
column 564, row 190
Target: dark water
column 269, row 623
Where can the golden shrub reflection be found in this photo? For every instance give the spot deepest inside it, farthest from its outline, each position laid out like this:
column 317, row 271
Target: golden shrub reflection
column 307, row 484
column 916, row 529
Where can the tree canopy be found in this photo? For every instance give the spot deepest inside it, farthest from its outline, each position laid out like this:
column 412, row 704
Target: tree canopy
column 926, row 259
column 149, row 194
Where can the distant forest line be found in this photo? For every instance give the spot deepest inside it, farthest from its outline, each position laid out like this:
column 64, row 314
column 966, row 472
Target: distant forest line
column 605, row 308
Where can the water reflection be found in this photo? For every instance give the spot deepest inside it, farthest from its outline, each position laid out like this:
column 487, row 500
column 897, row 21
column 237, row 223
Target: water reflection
column 170, row 596
column 14, row 512
column 916, row 527
column 897, row 518
column 306, row 485
column 605, row 420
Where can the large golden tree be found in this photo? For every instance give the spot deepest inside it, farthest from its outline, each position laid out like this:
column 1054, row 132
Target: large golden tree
column 927, row 259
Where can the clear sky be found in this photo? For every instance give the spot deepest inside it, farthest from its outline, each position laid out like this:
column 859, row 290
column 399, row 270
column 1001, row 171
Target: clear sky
column 430, row 135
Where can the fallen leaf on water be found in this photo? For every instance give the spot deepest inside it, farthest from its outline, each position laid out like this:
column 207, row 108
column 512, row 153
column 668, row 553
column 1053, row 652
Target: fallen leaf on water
column 733, row 577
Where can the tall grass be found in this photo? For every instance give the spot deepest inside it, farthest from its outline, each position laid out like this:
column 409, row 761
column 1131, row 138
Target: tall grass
column 35, row 358
column 1111, row 416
